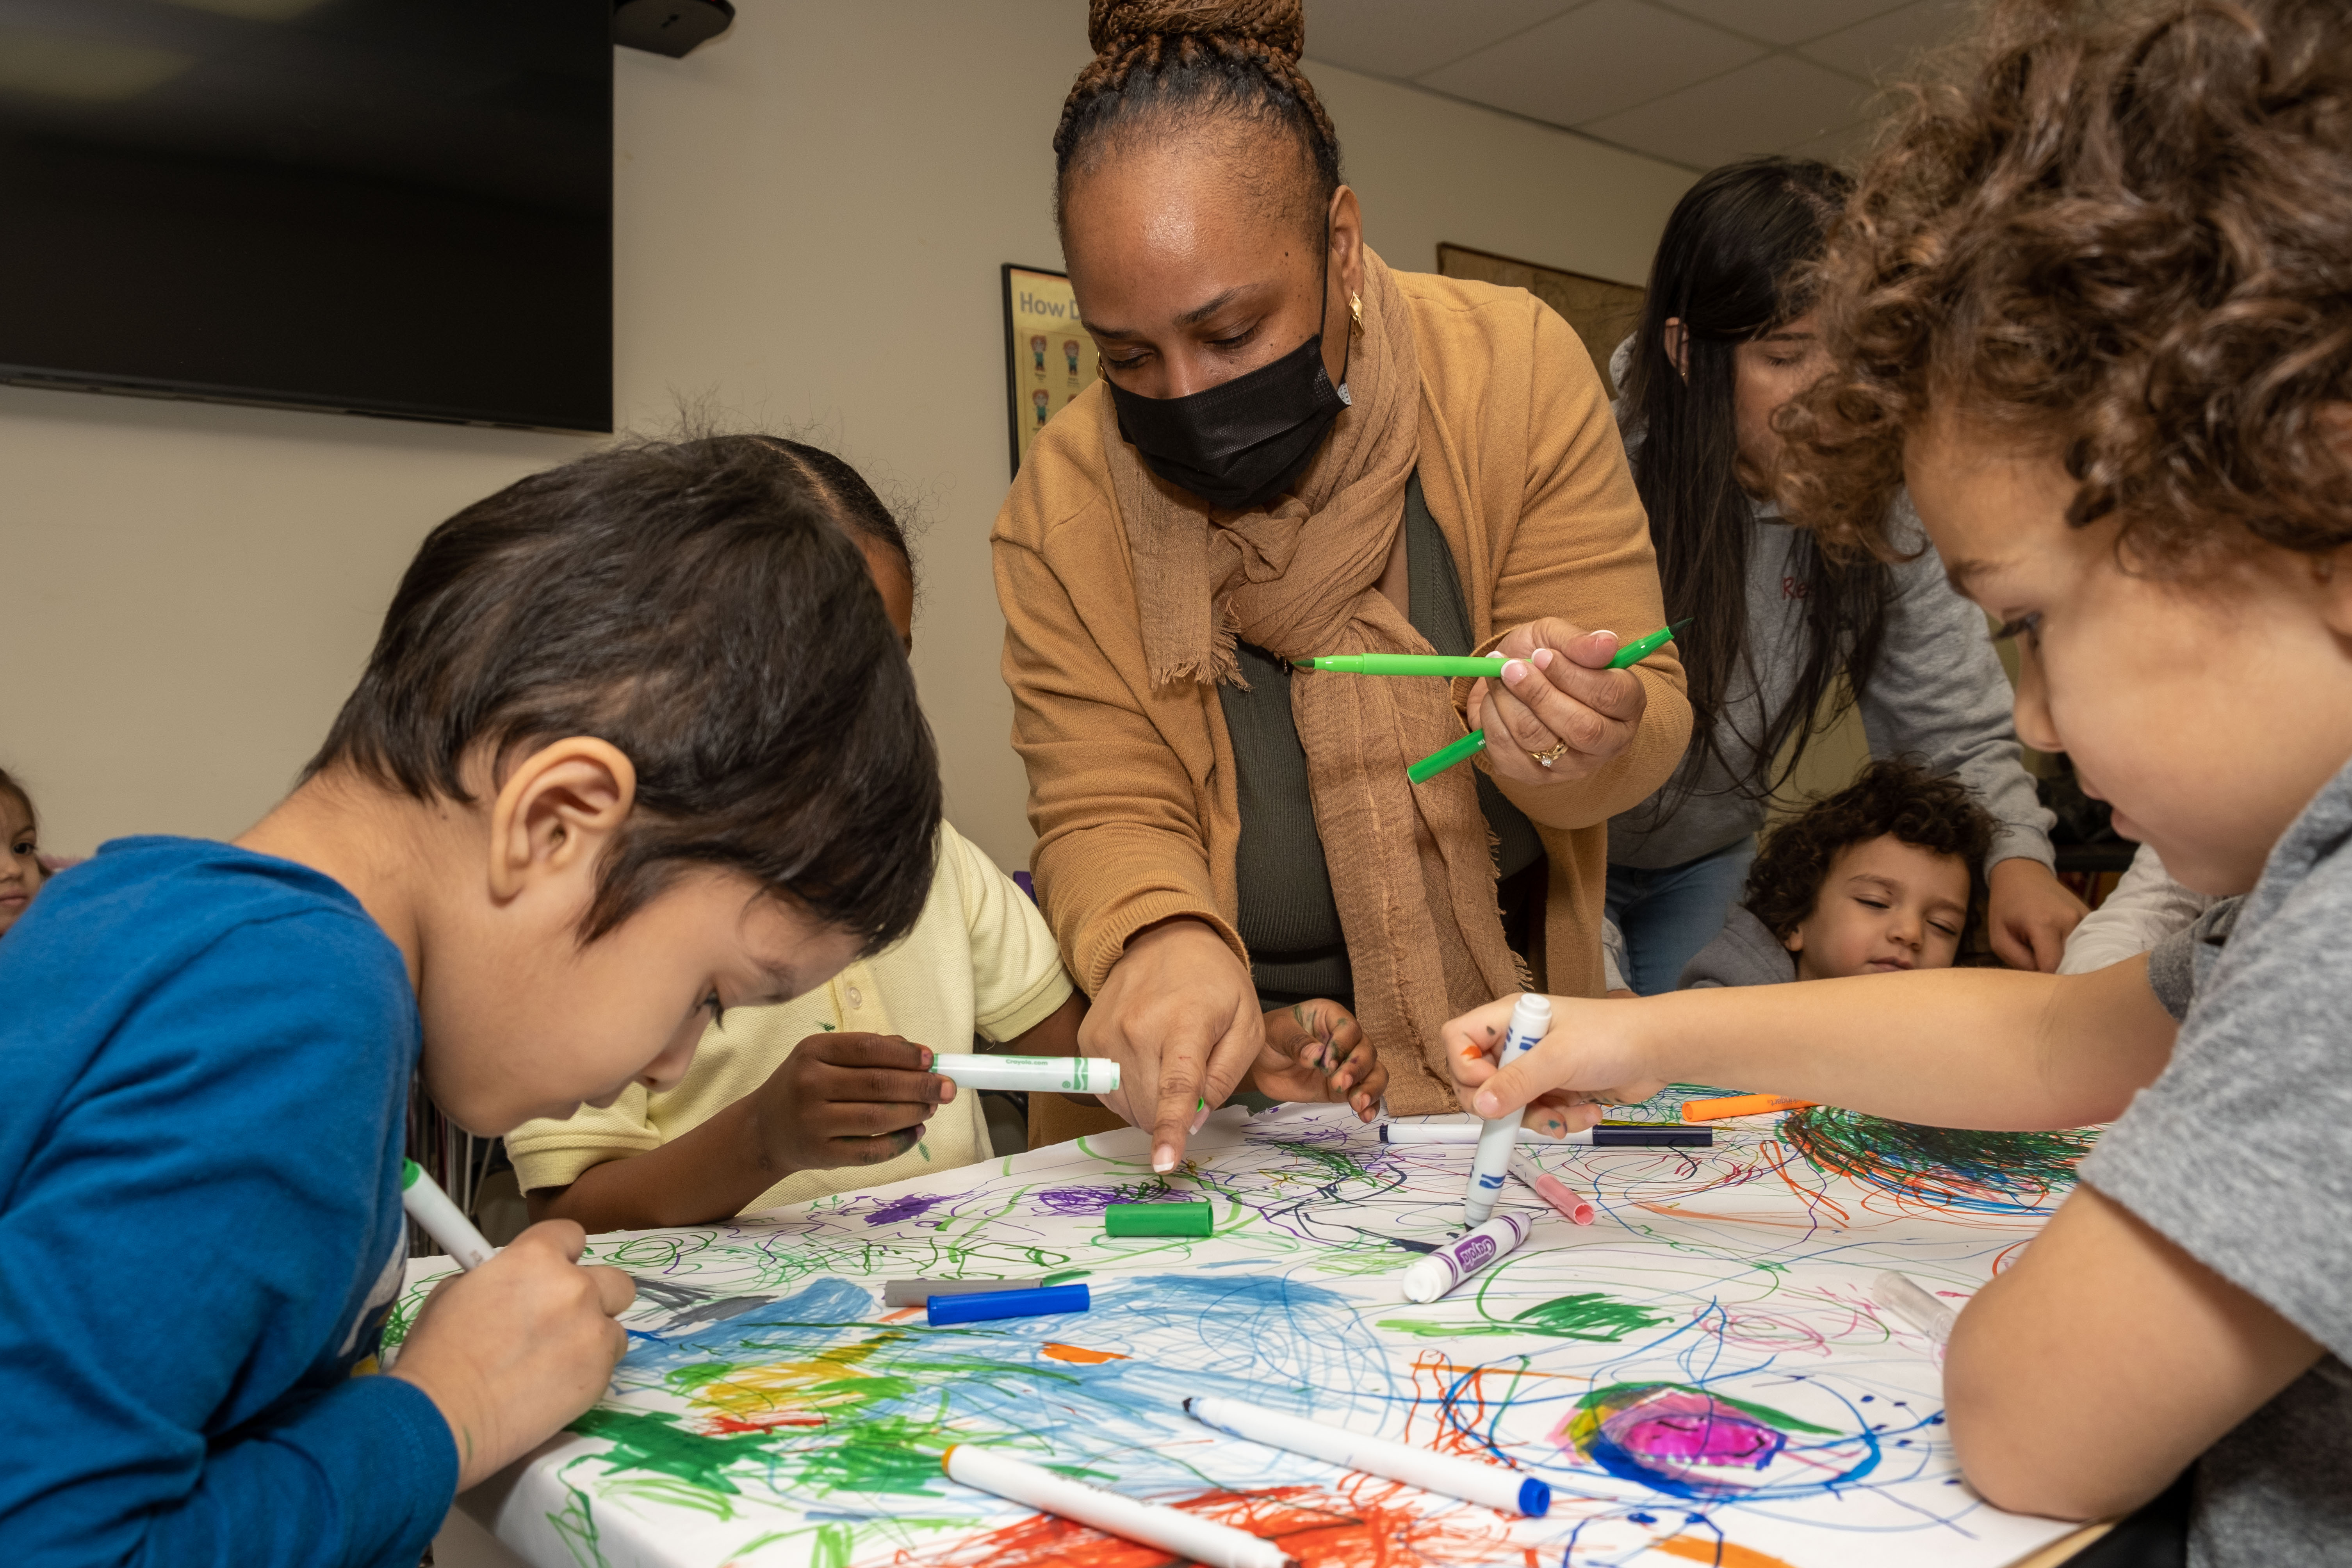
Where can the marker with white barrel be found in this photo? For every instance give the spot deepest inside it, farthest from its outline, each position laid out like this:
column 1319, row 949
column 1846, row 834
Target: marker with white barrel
column 1187, row 1536
column 1900, row 1294
column 1448, row 1475
column 1438, row 1272
column 1023, row 1075
column 1531, row 1020
column 441, row 1219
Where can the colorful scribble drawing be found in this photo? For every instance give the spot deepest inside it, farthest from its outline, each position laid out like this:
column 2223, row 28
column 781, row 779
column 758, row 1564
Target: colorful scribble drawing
column 1702, row 1377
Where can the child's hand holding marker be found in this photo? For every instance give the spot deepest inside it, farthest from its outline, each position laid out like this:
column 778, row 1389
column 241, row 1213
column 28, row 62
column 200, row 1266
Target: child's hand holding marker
column 847, row 1098
column 1317, row 1051
column 1579, row 1066
column 510, row 1350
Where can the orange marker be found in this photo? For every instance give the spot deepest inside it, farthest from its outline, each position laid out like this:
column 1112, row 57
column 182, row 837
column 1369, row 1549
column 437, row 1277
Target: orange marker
column 1739, row 1105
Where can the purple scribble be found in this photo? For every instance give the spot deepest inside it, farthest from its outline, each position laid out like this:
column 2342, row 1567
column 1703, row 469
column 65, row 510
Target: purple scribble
column 911, row 1207
column 1080, row 1200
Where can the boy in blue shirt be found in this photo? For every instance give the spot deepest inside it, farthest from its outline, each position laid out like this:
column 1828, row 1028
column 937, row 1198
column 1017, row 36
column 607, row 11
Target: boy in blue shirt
column 636, row 744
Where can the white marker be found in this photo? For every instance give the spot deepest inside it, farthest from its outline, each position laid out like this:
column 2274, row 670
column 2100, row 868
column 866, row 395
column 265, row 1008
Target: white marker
column 1531, row 1020
column 1069, row 1075
column 1448, row 1475
column 1899, row 1294
column 442, row 1220
column 1185, row 1535
column 1620, row 1135
column 1439, row 1271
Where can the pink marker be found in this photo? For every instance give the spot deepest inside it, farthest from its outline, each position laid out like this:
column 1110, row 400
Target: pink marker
column 1551, row 1188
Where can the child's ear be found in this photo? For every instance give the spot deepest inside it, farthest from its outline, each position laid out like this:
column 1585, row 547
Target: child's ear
column 1795, row 941
column 557, row 811
column 2333, row 572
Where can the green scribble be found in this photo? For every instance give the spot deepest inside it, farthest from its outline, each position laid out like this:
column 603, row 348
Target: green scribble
column 833, row 1546
column 1592, row 1317
column 575, row 1525
column 653, row 1440
column 891, row 1454
column 1950, row 1167
column 1066, row 1275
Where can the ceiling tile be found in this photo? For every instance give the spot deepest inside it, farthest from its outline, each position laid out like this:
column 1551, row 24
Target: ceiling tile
column 1601, row 57
column 1776, row 102
column 1844, row 147
column 1887, row 44
column 1783, row 21
column 1406, row 37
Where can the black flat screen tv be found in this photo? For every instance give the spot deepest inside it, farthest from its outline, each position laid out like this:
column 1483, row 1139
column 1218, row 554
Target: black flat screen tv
column 382, row 206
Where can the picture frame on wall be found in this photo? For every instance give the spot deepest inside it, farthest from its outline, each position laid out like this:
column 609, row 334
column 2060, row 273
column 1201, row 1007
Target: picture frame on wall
column 1048, row 357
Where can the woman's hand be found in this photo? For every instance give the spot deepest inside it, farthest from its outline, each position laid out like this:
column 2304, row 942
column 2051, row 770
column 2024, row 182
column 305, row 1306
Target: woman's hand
column 1589, row 1060
column 2029, row 915
column 1555, row 697
column 1178, row 1015
column 1317, row 1051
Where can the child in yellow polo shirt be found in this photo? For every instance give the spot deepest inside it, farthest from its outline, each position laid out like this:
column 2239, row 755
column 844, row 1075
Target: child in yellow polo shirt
column 829, row 1092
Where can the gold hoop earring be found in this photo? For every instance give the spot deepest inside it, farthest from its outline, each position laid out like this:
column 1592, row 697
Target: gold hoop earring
column 1355, row 315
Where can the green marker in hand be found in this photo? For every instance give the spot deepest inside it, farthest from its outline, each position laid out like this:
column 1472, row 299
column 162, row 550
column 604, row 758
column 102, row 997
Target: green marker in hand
column 1471, row 744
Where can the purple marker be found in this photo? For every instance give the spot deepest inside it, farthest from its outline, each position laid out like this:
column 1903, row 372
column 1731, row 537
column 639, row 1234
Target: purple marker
column 1458, row 1260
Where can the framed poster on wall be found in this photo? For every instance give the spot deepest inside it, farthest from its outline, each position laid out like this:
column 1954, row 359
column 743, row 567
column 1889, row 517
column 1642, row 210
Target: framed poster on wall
column 1601, row 310
column 1048, row 357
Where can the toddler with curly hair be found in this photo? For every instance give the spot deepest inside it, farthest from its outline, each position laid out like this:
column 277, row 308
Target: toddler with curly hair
column 2091, row 301
column 1885, row 875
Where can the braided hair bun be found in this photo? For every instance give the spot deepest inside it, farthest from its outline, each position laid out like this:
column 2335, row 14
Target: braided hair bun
column 1176, row 65
column 1116, row 27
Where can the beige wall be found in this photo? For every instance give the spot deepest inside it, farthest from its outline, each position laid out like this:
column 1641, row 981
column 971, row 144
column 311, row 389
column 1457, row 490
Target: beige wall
column 810, row 214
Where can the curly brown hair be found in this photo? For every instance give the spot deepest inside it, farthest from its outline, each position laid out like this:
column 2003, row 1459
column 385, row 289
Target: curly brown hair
column 1895, row 795
column 2121, row 232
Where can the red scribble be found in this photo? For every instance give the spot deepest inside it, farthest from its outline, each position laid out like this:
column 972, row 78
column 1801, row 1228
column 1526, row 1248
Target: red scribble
column 720, row 1425
column 1367, row 1523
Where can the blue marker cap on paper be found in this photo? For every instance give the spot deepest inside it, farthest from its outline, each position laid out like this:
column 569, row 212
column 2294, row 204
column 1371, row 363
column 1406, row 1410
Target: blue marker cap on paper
column 1535, row 1498
column 982, row 1305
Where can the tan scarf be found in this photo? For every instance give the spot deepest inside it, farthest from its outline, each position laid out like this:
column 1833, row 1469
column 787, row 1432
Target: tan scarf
column 1425, row 937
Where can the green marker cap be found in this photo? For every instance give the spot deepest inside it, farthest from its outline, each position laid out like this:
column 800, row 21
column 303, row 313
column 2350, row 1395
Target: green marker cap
column 1160, row 1219
column 409, row 1171
column 1436, row 762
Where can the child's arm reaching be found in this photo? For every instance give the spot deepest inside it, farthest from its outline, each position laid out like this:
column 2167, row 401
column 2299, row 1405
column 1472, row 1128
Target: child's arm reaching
column 839, row 1099
column 1952, row 1048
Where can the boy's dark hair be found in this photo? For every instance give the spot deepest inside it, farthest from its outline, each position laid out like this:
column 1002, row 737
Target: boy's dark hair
column 1733, row 265
column 847, row 496
column 697, row 604
column 2121, row 234
column 9, row 786
column 1190, row 62
column 1896, row 795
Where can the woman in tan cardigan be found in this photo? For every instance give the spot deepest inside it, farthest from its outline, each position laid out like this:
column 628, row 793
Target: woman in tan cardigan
column 1295, row 451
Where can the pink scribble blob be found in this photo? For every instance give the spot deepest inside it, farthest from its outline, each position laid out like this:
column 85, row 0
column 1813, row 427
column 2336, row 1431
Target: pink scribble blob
column 1684, row 1441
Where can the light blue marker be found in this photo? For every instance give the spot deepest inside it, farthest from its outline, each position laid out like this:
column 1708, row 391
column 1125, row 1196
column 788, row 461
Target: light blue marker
column 1530, row 1021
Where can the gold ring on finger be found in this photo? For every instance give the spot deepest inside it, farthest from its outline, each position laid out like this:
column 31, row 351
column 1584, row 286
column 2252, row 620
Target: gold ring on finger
column 1558, row 749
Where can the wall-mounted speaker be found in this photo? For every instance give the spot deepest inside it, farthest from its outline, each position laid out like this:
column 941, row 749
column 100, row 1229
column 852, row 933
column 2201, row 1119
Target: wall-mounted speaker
column 672, row 27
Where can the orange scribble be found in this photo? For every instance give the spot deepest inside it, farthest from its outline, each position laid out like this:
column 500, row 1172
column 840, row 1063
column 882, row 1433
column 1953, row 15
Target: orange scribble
column 1678, row 1212
column 902, row 1314
column 1721, row 1553
column 1076, row 1355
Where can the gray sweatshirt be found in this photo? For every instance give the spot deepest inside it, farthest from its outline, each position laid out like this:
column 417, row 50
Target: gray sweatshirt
column 1744, row 952
column 1939, row 691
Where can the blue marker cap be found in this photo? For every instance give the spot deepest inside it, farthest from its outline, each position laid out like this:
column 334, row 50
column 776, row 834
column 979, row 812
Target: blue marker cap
column 1535, row 1498
column 982, row 1305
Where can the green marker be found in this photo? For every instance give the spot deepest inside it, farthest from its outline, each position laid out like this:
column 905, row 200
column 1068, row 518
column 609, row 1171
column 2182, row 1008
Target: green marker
column 1471, row 744
column 1194, row 1219
column 441, row 1219
column 1402, row 664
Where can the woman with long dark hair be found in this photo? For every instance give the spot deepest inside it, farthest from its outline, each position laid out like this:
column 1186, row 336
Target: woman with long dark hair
column 1780, row 636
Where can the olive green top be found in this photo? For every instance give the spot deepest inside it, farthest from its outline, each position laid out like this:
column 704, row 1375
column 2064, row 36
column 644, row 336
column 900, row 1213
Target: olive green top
column 1288, row 919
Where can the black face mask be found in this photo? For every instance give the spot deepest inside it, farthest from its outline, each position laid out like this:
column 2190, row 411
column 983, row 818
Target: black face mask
column 1240, row 445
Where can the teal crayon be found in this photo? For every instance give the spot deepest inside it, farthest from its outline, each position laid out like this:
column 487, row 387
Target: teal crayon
column 1471, row 744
